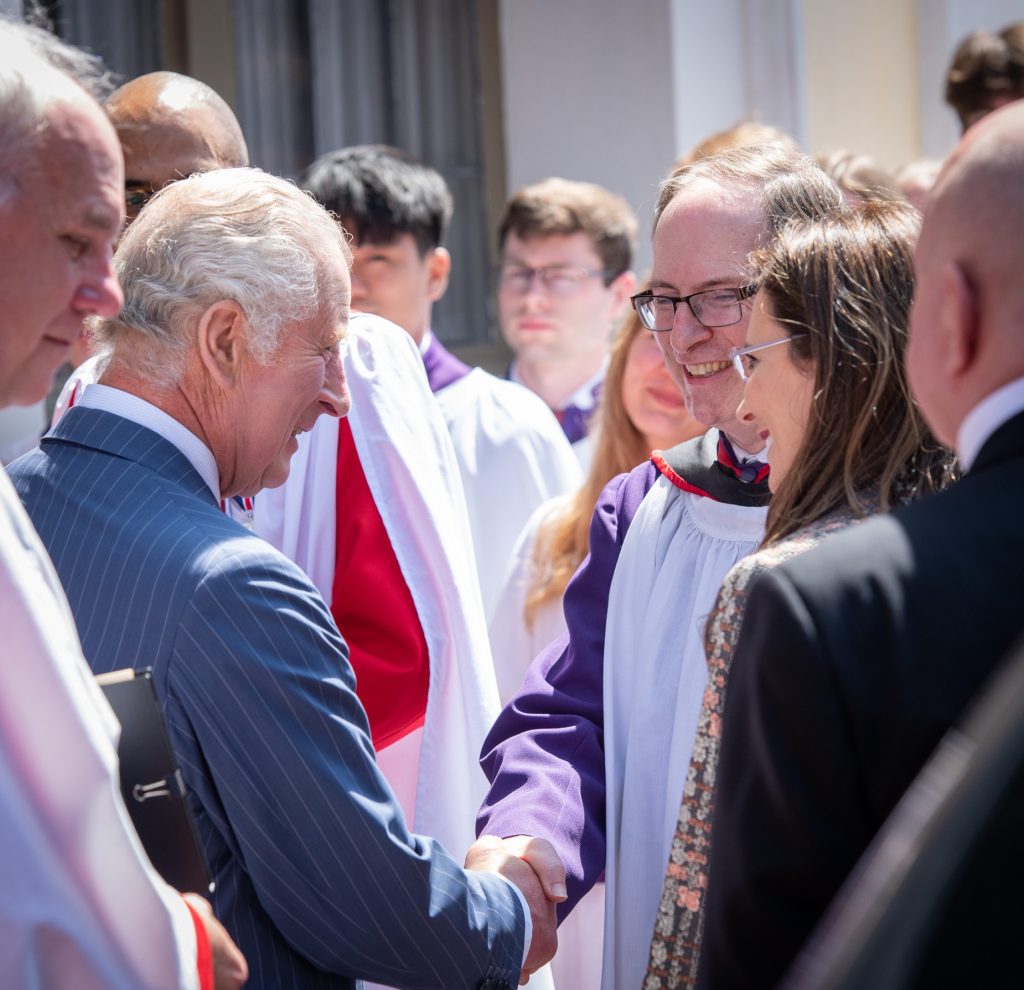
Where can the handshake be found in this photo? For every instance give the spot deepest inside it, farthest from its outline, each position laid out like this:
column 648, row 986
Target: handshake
column 534, row 867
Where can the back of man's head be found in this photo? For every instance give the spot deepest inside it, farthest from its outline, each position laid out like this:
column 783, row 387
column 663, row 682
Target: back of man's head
column 967, row 336
column 987, row 72
column 563, row 207
column 380, row 193
column 171, row 126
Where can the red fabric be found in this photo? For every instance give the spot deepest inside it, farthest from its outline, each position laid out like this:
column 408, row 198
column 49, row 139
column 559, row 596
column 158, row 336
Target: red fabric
column 678, row 480
column 374, row 609
column 204, row 954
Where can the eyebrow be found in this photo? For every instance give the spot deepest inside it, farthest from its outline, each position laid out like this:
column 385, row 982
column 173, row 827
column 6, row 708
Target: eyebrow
column 709, row 283
column 98, row 218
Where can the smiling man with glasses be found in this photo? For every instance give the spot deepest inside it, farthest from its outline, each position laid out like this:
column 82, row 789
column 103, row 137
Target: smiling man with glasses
column 566, row 250
column 603, row 727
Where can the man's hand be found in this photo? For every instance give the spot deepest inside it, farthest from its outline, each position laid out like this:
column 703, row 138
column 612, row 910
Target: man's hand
column 229, row 967
column 534, row 867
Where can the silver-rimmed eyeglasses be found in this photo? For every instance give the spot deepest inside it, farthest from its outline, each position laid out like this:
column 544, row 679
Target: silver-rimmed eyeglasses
column 557, row 280
column 744, row 363
column 712, row 307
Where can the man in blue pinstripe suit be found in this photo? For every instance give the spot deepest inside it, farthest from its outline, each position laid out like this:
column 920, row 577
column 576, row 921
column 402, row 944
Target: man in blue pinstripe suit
column 236, row 298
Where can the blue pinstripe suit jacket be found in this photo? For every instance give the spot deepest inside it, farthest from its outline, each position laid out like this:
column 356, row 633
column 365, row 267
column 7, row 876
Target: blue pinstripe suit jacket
column 318, row 879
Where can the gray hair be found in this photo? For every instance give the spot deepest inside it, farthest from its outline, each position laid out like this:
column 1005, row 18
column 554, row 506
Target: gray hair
column 232, row 234
column 32, row 78
column 791, row 185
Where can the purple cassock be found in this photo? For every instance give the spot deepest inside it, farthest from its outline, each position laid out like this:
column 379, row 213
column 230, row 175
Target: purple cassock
column 545, row 754
column 443, row 367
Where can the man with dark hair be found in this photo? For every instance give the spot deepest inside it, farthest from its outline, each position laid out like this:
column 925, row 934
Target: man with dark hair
column 986, row 73
column 566, row 251
column 511, row 453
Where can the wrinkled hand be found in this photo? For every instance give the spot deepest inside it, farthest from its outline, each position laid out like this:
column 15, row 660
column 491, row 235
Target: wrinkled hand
column 229, row 967
column 534, row 867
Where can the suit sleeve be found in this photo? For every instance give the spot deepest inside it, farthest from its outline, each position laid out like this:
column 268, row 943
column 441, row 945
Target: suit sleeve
column 545, row 754
column 789, row 819
column 263, row 676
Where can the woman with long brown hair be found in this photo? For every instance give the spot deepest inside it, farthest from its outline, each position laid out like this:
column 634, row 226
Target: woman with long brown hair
column 825, row 382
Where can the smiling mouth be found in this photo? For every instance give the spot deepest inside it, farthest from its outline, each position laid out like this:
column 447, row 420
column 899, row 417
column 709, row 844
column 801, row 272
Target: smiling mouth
column 705, row 370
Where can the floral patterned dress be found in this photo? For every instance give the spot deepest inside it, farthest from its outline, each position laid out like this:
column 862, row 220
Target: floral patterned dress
column 675, row 947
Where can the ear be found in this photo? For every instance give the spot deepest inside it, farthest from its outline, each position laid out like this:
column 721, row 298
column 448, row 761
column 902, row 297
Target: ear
column 960, row 330
column 622, row 287
column 439, row 266
column 220, row 342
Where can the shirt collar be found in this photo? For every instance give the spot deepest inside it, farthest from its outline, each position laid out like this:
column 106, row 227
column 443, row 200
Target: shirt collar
column 985, row 418
column 583, row 398
column 131, row 407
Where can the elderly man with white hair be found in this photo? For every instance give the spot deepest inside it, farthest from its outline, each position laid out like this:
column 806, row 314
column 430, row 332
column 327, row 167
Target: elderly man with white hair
column 228, row 346
column 81, row 905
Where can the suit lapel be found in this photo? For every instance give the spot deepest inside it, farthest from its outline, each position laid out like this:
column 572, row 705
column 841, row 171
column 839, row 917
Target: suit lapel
column 96, row 429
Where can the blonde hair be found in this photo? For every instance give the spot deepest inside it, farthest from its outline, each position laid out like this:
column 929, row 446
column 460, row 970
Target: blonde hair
column 563, row 539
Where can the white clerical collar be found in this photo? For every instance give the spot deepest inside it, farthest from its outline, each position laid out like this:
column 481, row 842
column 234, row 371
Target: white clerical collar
column 985, row 418
column 426, row 340
column 131, row 407
column 583, row 398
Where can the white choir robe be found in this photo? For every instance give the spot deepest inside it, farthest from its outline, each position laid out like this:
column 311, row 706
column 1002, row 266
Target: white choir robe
column 81, row 907
column 513, row 457
column 674, row 558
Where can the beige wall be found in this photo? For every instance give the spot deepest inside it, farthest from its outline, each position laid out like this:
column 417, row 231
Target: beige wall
column 861, row 77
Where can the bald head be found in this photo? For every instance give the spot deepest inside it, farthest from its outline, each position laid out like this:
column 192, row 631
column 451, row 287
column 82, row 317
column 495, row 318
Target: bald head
column 968, row 329
column 171, row 126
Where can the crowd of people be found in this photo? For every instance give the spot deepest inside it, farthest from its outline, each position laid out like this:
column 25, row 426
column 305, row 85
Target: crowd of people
column 602, row 674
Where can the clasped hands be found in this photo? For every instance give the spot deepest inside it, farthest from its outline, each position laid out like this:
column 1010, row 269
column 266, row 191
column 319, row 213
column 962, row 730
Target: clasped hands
column 534, row 867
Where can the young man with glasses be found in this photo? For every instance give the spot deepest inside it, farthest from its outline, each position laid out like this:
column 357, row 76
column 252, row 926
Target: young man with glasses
column 592, row 754
column 511, row 454
column 563, row 283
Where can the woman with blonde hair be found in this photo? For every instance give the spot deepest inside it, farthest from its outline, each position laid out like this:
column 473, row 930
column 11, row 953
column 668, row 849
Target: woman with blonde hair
column 825, row 382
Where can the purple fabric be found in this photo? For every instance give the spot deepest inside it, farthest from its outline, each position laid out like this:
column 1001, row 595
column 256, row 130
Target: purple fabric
column 574, row 420
column 545, row 754
column 443, row 367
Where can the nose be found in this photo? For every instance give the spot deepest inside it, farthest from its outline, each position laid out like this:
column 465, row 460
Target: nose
column 99, row 294
column 535, row 293
column 334, row 398
column 686, row 331
column 743, row 413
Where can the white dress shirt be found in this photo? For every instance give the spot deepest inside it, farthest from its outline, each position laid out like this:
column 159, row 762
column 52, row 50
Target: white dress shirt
column 985, row 418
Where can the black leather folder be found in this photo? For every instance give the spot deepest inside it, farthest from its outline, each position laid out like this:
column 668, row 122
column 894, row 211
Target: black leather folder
column 151, row 783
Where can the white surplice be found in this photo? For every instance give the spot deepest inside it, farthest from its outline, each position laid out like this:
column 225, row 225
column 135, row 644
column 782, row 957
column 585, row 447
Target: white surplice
column 513, row 457
column 677, row 552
